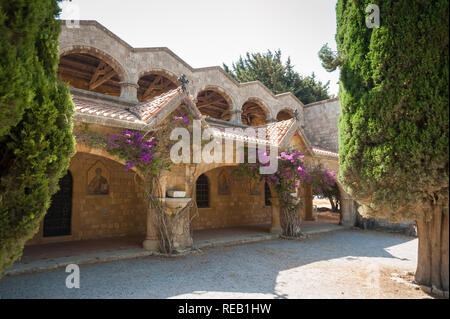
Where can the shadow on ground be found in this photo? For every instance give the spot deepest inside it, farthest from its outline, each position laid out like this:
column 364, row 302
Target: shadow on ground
column 248, row 269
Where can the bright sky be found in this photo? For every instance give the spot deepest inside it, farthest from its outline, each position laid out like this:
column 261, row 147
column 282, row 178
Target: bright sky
column 211, row 32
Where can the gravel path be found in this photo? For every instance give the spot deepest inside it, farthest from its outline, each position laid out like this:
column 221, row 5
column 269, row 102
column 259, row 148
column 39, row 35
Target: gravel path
column 345, row 264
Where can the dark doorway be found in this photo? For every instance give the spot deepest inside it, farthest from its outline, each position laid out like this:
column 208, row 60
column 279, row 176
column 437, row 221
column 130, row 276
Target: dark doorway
column 202, row 191
column 57, row 221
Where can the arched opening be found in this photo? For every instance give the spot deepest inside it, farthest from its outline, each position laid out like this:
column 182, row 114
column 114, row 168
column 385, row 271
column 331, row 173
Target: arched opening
column 327, row 205
column 284, row 115
column 57, row 221
column 202, row 191
column 253, row 113
column 214, row 104
column 154, row 84
column 88, row 72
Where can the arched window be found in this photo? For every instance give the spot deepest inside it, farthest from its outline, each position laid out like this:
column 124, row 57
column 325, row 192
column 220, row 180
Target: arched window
column 202, row 191
column 253, row 114
column 284, row 115
column 88, row 72
column 214, row 104
column 154, row 84
column 57, row 221
column 267, row 194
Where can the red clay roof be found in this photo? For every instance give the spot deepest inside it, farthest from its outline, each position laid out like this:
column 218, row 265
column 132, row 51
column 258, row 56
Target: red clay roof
column 277, row 131
column 85, row 106
column 151, row 108
column 141, row 112
column 144, row 112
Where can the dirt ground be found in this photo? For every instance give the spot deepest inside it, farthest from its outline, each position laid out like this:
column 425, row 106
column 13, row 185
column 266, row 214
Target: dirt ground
column 325, row 216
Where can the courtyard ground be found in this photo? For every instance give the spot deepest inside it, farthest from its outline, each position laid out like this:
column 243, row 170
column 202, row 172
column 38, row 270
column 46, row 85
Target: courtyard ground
column 343, row 264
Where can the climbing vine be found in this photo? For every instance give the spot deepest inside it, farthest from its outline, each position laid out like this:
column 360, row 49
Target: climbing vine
column 148, row 154
column 292, row 172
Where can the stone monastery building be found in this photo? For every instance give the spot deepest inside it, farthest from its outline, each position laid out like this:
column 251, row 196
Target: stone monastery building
column 117, row 87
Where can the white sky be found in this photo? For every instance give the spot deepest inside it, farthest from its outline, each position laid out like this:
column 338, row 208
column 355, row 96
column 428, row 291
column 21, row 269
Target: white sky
column 211, row 32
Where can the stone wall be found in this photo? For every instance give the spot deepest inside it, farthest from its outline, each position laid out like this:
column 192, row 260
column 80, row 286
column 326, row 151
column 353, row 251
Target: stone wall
column 119, row 213
column 321, row 124
column 405, row 227
column 133, row 63
column 240, row 207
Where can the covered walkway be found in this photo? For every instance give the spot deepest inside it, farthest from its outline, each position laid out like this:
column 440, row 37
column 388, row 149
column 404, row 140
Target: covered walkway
column 44, row 257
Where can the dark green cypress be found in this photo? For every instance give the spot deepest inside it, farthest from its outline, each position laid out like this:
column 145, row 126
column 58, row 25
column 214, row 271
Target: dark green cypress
column 393, row 129
column 36, row 110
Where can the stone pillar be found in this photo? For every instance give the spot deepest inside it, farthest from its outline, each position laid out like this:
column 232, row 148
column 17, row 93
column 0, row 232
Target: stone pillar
column 276, row 225
column 301, row 207
column 151, row 241
column 348, row 211
column 180, row 229
column 270, row 120
column 308, row 202
column 236, row 116
column 128, row 91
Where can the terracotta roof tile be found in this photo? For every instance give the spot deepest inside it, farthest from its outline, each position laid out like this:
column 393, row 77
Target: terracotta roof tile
column 151, row 108
column 236, row 135
column 277, row 131
column 93, row 108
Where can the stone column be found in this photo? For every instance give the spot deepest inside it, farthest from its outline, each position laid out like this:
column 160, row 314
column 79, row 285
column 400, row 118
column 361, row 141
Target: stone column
column 128, row 91
column 236, row 116
column 301, row 207
column 270, row 120
column 308, row 202
column 348, row 210
column 151, row 241
column 276, row 225
column 180, row 229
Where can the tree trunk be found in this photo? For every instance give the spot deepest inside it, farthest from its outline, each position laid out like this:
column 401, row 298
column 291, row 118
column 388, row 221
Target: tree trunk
column 432, row 265
column 333, row 206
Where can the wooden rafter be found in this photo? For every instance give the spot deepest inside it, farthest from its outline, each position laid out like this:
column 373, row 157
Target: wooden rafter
column 213, row 104
column 153, row 85
column 88, row 72
column 103, row 73
column 253, row 114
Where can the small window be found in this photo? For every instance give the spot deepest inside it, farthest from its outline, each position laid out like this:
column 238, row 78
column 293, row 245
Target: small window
column 267, row 194
column 202, row 191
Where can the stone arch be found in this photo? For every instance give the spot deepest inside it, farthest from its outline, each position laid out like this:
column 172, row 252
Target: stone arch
column 214, row 101
column 285, row 114
column 84, row 148
column 83, row 49
column 255, row 112
column 209, row 167
column 155, row 82
column 91, row 69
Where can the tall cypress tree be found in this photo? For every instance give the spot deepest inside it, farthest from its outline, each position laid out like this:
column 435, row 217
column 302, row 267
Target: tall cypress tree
column 393, row 129
column 36, row 110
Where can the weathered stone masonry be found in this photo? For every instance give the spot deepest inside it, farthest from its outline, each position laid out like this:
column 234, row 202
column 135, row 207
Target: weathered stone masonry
column 110, row 81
